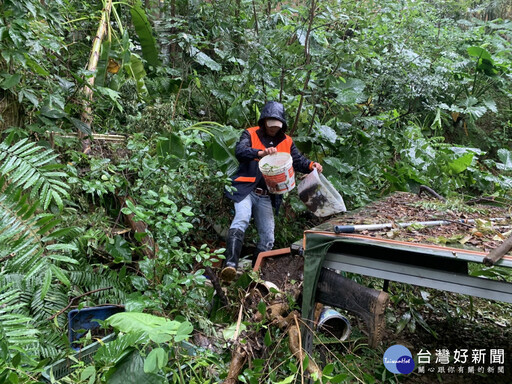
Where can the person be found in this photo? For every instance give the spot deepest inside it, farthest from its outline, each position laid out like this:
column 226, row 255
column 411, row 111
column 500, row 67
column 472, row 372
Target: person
column 251, row 195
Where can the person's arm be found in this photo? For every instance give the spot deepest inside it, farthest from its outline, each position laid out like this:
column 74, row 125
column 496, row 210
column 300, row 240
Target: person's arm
column 301, row 163
column 243, row 150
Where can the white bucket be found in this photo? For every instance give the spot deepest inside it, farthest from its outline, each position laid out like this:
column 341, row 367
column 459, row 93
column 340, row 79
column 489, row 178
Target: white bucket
column 277, row 170
column 320, row 196
column 332, row 323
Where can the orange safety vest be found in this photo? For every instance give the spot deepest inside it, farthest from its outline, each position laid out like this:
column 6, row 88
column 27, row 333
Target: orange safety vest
column 283, row 146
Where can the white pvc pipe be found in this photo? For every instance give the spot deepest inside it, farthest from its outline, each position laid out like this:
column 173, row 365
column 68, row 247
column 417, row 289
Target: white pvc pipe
column 376, row 227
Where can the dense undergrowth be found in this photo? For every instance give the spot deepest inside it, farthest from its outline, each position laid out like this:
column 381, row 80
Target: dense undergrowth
column 386, row 95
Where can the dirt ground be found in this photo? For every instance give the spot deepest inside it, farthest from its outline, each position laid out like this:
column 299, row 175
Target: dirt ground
column 474, row 327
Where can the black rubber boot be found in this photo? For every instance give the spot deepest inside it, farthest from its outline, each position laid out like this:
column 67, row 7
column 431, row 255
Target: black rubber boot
column 234, row 245
column 369, row 304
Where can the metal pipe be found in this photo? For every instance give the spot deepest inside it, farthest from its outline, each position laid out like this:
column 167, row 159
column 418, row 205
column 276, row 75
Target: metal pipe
column 376, row 227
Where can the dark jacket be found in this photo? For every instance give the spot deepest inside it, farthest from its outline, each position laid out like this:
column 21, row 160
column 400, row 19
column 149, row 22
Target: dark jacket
column 248, row 177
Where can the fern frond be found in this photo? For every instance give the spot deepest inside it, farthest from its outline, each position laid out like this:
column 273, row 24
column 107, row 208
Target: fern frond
column 90, row 280
column 29, row 166
column 14, row 326
column 53, row 346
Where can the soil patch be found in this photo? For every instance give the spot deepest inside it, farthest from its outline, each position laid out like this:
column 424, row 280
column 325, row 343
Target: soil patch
column 283, row 270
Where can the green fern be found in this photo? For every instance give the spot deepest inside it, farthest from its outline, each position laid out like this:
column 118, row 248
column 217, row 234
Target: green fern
column 16, row 327
column 89, row 280
column 33, row 256
column 28, row 240
column 42, row 265
column 31, row 167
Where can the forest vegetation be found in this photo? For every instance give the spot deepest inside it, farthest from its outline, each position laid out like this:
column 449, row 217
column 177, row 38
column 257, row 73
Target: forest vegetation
column 118, row 122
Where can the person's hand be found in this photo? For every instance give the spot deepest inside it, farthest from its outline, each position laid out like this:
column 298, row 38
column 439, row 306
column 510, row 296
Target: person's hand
column 267, row 151
column 318, row 167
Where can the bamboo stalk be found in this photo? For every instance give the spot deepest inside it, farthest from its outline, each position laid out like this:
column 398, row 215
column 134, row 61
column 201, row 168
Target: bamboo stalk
column 92, row 66
column 95, row 136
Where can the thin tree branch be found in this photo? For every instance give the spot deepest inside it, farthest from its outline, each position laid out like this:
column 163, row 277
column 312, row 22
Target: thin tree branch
column 216, row 285
column 76, row 298
column 307, row 61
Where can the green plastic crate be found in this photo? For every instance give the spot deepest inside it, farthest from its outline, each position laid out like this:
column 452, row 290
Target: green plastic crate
column 64, row 367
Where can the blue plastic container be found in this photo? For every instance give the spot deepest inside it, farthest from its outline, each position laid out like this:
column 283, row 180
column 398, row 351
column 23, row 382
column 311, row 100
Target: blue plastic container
column 83, row 320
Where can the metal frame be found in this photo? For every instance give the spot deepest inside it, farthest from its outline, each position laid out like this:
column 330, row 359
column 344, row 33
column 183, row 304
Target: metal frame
column 421, row 276
column 366, row 261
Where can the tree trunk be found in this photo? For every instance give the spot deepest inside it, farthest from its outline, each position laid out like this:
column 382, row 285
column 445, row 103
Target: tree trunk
column 149, row 246
column 10, row 110
column 173, row 49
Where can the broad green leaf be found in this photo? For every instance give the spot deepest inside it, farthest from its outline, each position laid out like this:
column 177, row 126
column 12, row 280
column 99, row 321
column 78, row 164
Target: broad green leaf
column 101, row 69
column 156, row 360
column 350, row 91
column 30, row 96
column 88, row 372
column 140, row 322
column 262, row 308
column 403, row 322
column 63, row 258
column 327, row 133
column 59, row 274
column 491, row 105
column 159, row 329
column 229, row 332
column 305, row 362
column 506, row 158
column 52, row 113
column 339, row 378
column 10, row 81
column 292, row 367
column 462, row 163
column 479, row 52
column 328, row 369
column 37, row 68
column 131, row 371
column 15, row 361
column 62, row 247
column 145, row 34
column 119, row 249
column 184, row 331
column 204, row 59
column 136, row 69
column 170, row 145
column 338, row 165
column 268, row 339
column 288, row 380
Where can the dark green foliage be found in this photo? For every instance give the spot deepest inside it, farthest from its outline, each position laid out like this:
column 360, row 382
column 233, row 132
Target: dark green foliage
column 386, row 95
